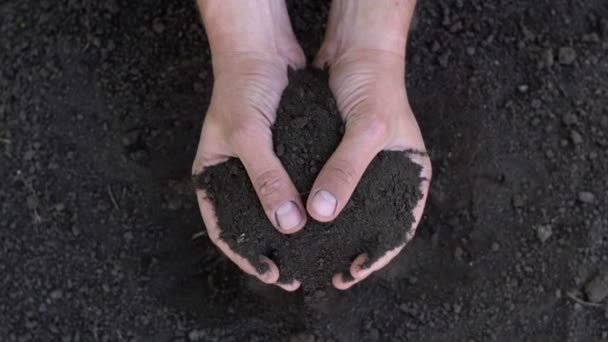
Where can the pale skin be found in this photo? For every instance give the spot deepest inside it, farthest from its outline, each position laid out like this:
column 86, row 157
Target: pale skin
column 252, row 46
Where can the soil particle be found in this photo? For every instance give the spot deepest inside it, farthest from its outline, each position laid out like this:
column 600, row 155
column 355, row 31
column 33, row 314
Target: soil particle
column 544, row 232
column 586, row 197
column 567, row 55
column 576, row 137
column 302, row 337
column 374, row 221
column 597, row 289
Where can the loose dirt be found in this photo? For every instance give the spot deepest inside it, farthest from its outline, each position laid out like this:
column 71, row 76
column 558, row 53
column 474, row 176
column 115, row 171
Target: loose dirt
column 306, row 132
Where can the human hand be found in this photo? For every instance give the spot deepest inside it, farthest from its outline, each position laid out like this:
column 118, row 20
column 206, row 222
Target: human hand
column 365, row 51
column 250, row 60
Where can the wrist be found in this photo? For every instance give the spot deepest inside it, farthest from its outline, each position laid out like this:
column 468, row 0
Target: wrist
column 369, row 25
column 239, row 29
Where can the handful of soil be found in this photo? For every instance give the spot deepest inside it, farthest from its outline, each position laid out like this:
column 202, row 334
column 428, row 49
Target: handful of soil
column 307, row 131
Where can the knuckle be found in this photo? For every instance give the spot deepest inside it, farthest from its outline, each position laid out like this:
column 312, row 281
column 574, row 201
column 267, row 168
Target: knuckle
column 269, row 185
column 342, row 172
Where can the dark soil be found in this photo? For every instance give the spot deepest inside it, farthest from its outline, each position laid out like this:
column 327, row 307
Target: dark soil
column 305, row 134
column 101, row 104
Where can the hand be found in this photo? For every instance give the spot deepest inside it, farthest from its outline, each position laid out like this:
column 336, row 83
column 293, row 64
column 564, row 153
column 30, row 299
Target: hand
column 250, row 61
column 366, row 56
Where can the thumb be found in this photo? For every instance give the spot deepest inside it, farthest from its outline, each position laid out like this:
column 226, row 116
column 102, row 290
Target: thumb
column 277, row 194
column 339, row 177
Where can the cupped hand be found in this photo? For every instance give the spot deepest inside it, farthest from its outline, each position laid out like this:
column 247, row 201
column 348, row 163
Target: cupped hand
column 369, row 87
column 246, row 93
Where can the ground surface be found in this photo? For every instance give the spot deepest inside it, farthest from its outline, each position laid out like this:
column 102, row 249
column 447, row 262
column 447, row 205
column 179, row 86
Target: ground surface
column 101, row 104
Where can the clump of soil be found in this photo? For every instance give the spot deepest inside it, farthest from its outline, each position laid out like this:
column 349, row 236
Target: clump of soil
column 307, row 131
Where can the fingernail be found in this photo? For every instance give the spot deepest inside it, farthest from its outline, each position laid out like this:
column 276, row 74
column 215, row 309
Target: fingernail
column 288, row 216
column 324, row 203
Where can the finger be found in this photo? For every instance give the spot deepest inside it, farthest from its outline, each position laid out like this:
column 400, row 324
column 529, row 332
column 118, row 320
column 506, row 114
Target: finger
column 341, row 282
column 361, row 269
column 210, row 219
column 277, row 194
column 290, row 287
column 339, row 177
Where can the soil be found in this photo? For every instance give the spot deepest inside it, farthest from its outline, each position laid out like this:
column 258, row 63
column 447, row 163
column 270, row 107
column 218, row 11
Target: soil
column 101, row 104
column 307, row 131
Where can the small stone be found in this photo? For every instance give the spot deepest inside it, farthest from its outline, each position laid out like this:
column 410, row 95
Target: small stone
column 523, row 88
column 586, row 197
column 567, row 55
column 195, row 335
column 576, row 137
column 547, row 58
column 495, row 247
column 597, row 289
column 544, row 232
column 56, row 294
column 470, row 50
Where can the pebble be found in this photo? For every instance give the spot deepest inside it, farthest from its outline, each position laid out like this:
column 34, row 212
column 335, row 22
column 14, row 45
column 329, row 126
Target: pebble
column 547, row 58
column 523, row 88
column 586, row 197
column 597, row 289
column 576, row 137
column 195, row 335
column 56, row 294
column 544, row 232
column 495, row 247
column 567, row 55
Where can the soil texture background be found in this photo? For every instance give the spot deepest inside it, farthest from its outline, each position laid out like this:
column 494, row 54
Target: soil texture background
column 307, row 131
column 101, row 104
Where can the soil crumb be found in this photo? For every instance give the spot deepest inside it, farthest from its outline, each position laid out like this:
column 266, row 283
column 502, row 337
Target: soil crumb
column 307, row 131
